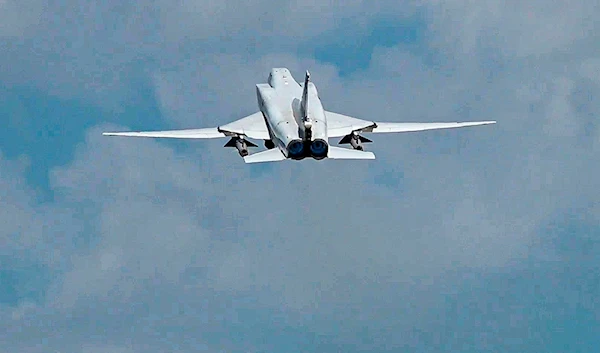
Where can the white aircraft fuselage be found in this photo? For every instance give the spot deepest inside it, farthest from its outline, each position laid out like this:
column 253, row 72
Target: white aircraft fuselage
column 294, row 115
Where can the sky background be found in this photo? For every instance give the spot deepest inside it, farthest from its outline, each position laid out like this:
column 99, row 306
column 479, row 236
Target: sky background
column 472, row 240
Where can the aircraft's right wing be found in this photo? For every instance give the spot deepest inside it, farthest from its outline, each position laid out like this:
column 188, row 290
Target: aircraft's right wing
column 410, row 127
column 252, row 126
column 341, row 125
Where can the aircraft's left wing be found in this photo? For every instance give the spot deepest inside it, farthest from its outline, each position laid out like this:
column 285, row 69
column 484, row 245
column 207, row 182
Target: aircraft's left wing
column 341, row 125
column 207, row 133
column 252, row 126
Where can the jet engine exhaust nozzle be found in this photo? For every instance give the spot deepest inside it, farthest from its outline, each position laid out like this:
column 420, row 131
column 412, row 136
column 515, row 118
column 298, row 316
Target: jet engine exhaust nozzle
column 296, row 149
column 356, row 143
column 318, row 148
column 242, row 147
column 240, row 144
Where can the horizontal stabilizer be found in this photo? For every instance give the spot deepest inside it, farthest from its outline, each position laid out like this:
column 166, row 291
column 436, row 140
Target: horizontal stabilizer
column 272, row 155
column 207, row 133
column 345, row 153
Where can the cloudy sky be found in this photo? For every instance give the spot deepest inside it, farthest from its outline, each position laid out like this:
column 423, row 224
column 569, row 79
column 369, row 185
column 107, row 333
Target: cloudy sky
column 470, row 240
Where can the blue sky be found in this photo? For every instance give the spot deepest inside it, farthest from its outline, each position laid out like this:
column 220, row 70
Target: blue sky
column 473, row 240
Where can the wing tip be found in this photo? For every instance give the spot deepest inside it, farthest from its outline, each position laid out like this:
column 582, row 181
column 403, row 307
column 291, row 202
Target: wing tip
column 128, row 133
column 486, row 122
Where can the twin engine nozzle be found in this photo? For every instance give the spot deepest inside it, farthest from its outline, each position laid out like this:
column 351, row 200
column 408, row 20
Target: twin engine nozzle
column 318, row 148
column 298, row 149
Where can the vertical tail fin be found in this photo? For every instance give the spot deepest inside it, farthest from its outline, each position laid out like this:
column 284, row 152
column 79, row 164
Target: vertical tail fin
column 304, row 104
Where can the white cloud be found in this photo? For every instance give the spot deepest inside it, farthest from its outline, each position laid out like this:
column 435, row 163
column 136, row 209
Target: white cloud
column 198, row 91
column 186, row 230
column 516, row 28
column 19, row 18
column 271, row 21
column 30, row 233
column 17, row 210
column 474, row 217
column 105, row 349
column 590, row 69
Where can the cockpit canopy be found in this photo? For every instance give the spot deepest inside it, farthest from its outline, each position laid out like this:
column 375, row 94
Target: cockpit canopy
column 280, row 77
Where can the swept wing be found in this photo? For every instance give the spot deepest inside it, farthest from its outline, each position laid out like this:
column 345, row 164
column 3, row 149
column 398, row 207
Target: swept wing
column 341, row 125
column 252, row 126
column 207, row 133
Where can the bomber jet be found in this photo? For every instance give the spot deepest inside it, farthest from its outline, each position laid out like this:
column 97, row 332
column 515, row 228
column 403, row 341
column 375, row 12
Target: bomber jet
column 294, row 125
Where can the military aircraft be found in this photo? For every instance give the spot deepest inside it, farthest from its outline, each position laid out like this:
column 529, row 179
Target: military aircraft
column 294, row 125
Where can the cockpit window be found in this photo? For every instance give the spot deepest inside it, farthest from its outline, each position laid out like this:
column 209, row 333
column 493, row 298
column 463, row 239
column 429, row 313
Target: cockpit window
column 270, row 80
